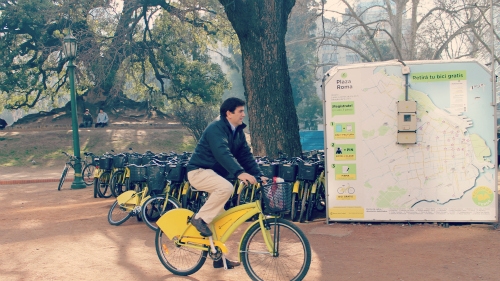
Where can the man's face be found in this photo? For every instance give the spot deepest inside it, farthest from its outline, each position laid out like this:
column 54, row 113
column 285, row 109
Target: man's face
column 236, row 118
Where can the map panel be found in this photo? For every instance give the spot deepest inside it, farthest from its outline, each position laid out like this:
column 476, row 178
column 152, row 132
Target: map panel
column 449, row 174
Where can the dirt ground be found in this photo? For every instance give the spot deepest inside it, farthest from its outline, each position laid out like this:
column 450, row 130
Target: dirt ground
column 64, row 235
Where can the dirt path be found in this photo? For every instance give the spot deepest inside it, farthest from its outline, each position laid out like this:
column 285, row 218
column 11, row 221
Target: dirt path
column 51, row 235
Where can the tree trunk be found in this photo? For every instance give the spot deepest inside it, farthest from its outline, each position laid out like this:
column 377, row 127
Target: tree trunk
column 106, row 65
column 261, row 27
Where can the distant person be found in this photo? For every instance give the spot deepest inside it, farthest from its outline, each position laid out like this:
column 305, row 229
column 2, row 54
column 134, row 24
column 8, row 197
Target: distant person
column 87, row 120
column 3, row 124
column 102, row 119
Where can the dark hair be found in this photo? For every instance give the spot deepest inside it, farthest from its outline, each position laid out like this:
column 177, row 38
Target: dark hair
column 230, row 104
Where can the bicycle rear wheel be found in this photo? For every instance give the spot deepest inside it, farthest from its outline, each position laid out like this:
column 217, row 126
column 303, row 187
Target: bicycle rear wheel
column 292, row 256
column 103, row 185
column 177, row 259
column 63, row 177
column 152, row 209
column 88, row 174
column 117, row 214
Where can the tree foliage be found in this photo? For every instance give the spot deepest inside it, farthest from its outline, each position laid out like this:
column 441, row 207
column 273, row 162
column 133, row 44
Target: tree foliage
column 411, row 29
column 145, row 48
column 195, row 118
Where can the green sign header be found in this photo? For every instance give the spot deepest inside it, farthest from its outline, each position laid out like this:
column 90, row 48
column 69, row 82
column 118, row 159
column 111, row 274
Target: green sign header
column 438, row 76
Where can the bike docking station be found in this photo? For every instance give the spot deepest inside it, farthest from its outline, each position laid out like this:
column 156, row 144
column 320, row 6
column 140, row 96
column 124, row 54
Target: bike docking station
column 412, row 141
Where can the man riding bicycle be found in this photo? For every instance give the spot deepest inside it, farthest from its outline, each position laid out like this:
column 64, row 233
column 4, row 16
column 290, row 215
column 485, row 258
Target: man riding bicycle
column 221, row 151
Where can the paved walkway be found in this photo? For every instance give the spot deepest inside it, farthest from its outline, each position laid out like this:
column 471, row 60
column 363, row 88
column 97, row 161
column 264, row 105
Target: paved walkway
column 34, row 174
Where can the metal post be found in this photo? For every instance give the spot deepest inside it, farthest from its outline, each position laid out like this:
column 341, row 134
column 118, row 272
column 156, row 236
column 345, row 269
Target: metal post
column 78, row 182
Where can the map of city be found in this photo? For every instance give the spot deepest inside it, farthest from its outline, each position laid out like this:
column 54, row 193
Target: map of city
column 447, row 174
column 443, row 165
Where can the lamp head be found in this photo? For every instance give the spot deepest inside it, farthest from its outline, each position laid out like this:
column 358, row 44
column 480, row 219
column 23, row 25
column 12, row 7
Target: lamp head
column 69, row 47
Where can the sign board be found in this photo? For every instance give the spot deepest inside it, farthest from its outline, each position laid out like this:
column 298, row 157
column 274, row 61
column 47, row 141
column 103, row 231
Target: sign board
column 445, row 172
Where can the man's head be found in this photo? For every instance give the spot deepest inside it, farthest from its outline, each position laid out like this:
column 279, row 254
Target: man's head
column 101, row 110
column 234, row 110
column 87, row 111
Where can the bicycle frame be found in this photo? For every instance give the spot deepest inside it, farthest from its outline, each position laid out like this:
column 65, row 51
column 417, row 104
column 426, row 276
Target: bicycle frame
column 176, row 226
column 131, row 198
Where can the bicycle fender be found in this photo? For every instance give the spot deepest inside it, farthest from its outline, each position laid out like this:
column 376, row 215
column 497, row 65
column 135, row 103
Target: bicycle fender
column 185, row 188
column 296, row 187
column 176, row 223
column 97, row 173
column 126, row 197
column 313, row 188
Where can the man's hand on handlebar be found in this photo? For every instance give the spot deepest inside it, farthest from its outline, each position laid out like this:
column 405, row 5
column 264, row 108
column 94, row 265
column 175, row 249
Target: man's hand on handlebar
column 247, row 178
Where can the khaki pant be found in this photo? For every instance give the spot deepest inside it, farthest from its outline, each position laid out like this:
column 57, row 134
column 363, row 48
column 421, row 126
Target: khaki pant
column 219, row 188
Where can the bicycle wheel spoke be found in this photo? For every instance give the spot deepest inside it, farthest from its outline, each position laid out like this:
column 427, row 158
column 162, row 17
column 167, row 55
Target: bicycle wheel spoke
column 291, row 259
column 178, row 259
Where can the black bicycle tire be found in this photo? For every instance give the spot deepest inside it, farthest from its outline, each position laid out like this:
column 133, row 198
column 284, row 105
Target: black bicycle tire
column 120, row 221
column 63, row 177
column 106, row 194
column 96, row 192
column 159, row 245
column 144, row 212
column 184, row 200
column 293, row 209
column 311, row 202
column 112, row 184
column 254, row 232
column 303, row 203
column 88, row 177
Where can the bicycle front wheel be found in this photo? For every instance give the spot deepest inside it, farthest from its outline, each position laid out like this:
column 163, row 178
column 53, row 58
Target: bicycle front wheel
column 88, row 174
column 292, row 256
column 154, row 207
column 104, row 190
column 178, row 259
column 63, row 177
column 118, row 214
column 117, row 183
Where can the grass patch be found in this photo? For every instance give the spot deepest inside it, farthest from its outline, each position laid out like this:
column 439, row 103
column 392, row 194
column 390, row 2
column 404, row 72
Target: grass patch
column 45, row 147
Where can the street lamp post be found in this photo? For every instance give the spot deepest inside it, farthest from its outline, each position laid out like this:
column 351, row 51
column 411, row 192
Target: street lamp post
column 69, row 49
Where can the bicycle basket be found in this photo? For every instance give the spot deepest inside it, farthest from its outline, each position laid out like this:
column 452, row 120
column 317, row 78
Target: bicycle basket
column 105, row 163
column 288, row 172
column 269, row 170
column 156, row 177
column 95, row 161
column 137, row 173
column 146, row 158
column 177, row 173
column 276, row 198
column 119, row 160
column 135, row 160
column 162, row 156
column 307, row 172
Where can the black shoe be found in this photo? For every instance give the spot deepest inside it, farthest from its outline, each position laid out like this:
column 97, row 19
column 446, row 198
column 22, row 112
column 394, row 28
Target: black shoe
column 230, row 264
column 201, row 226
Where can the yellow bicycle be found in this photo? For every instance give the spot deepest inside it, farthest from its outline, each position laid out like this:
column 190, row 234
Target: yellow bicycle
column 271, row 248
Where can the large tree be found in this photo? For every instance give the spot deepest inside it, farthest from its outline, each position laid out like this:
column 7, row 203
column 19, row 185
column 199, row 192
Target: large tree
column 146, row 47
column 261, row 27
